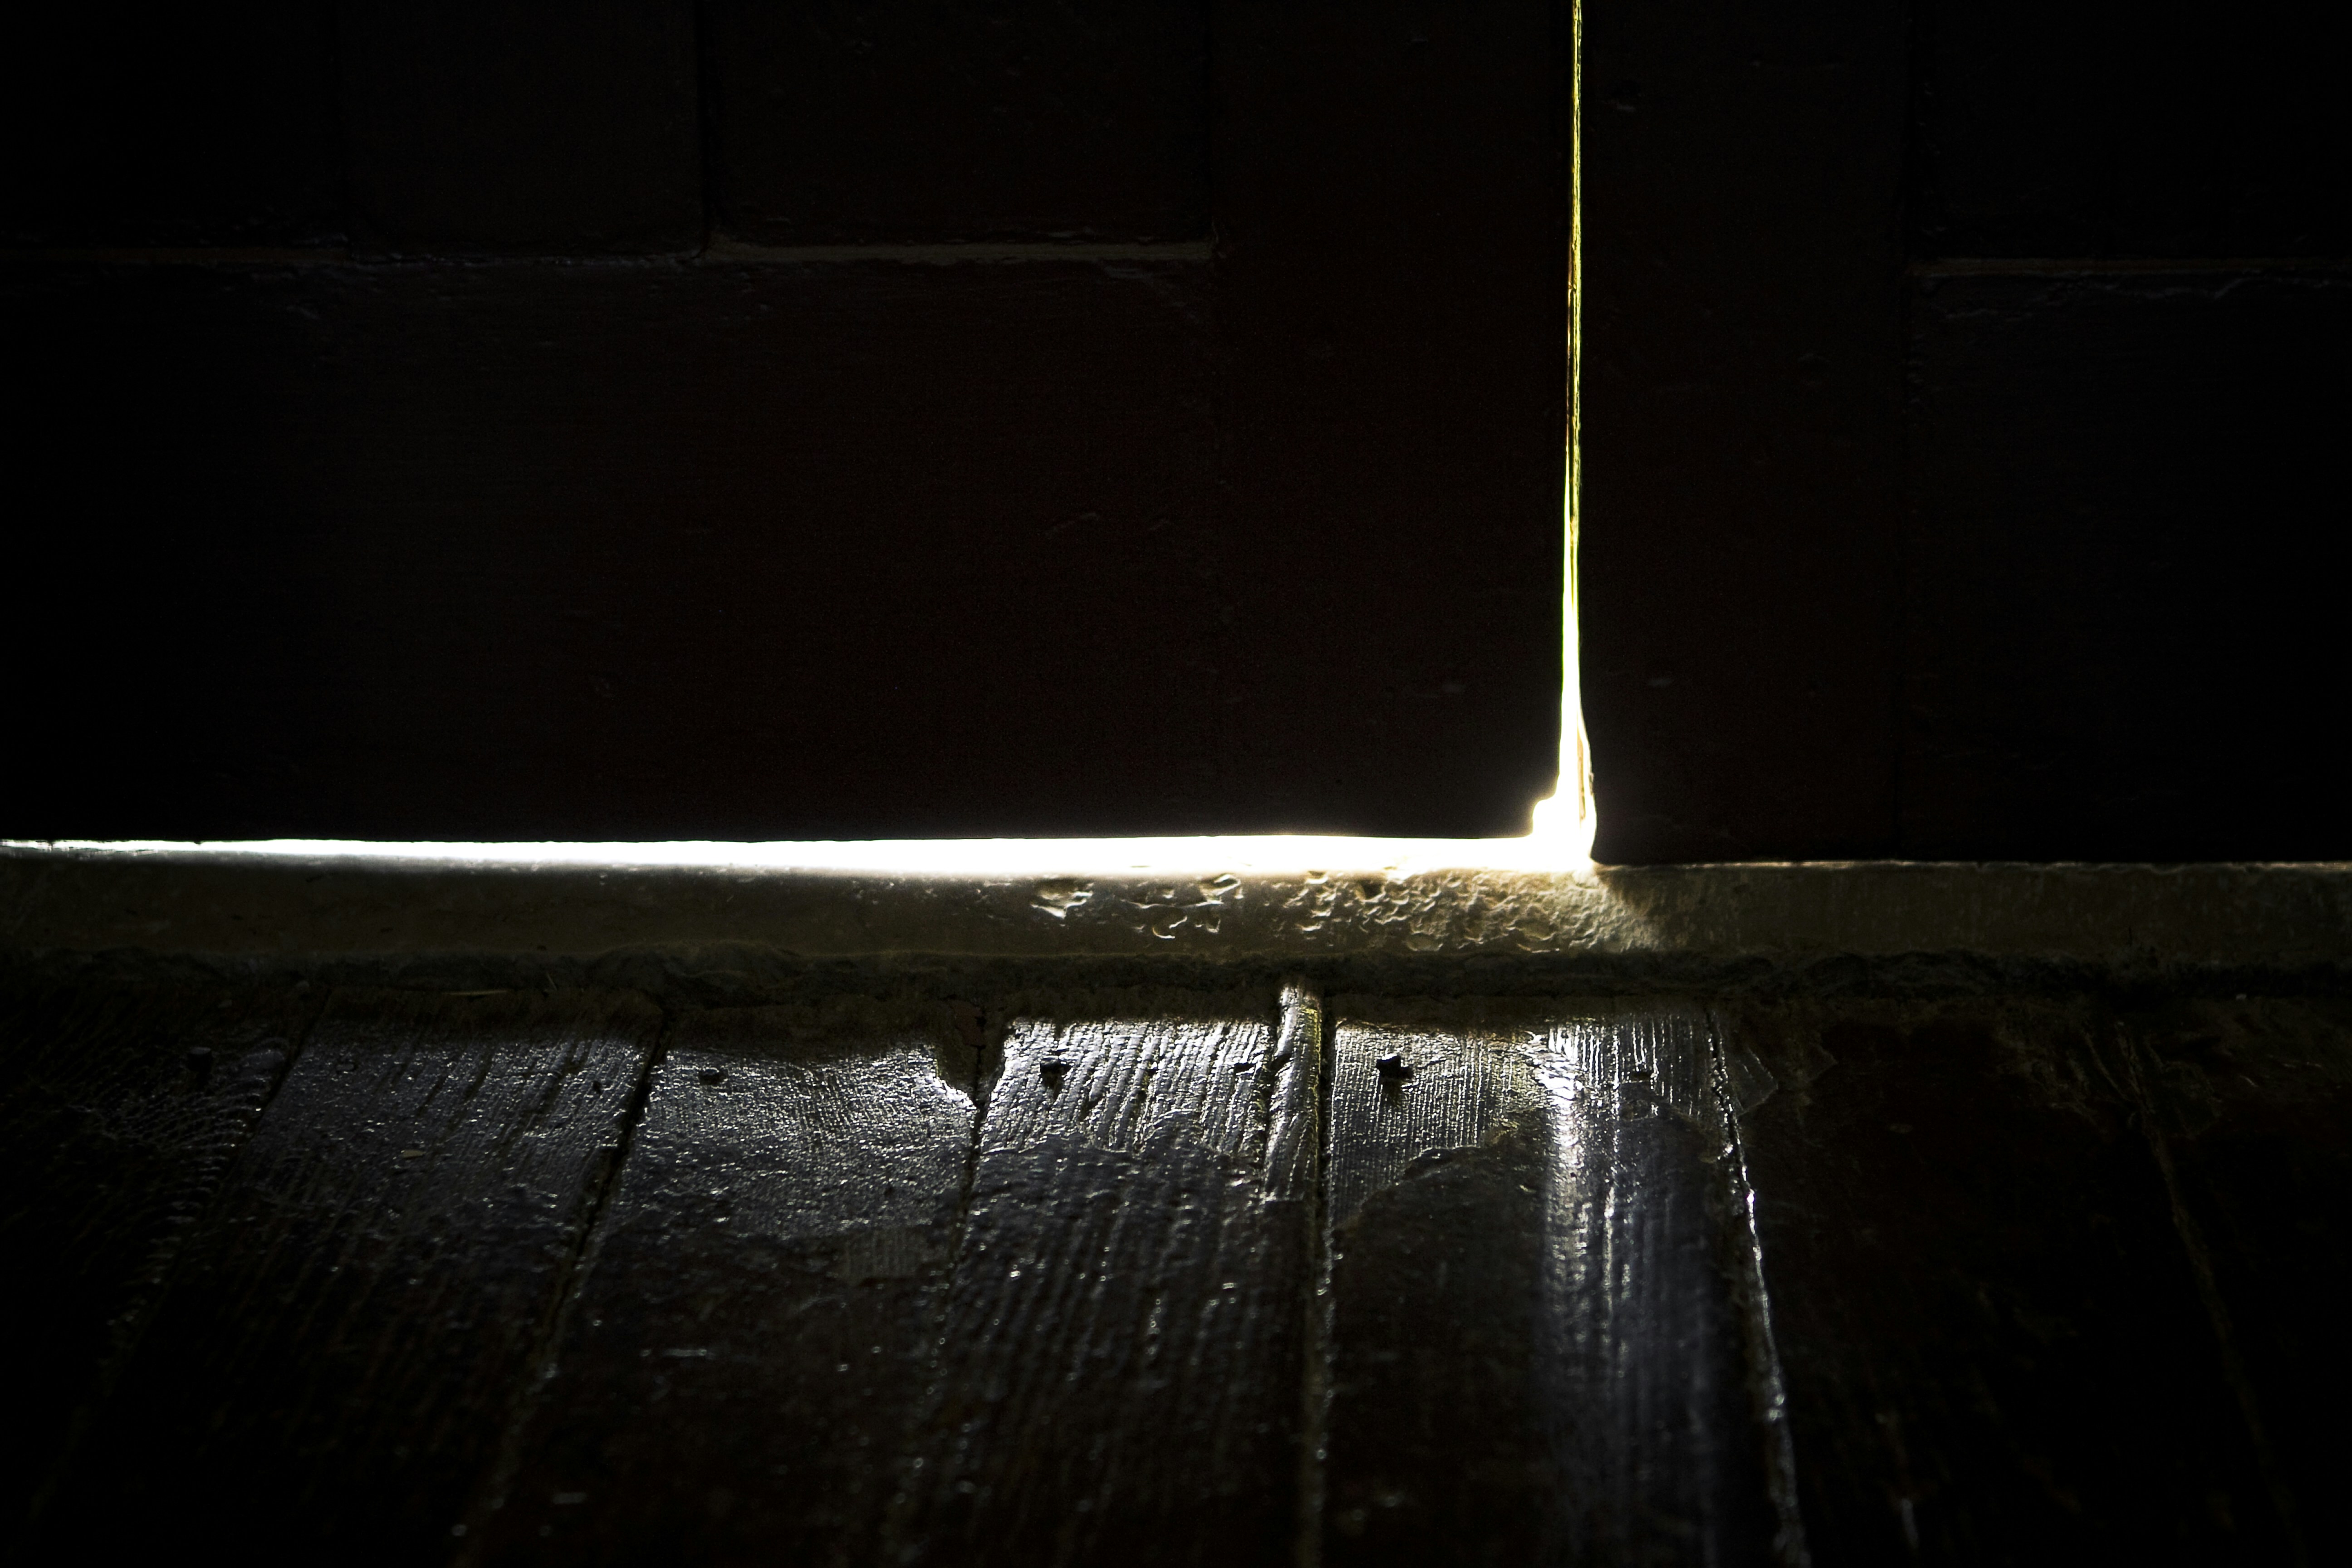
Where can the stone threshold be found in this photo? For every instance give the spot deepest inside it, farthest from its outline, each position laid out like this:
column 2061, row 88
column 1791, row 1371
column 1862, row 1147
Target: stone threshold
column 1253, row 903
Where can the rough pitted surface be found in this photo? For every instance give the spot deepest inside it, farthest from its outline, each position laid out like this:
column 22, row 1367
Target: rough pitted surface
column 261, row 908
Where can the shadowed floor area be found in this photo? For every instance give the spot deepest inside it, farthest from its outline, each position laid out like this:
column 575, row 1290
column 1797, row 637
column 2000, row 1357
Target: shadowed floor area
column 951, row 1273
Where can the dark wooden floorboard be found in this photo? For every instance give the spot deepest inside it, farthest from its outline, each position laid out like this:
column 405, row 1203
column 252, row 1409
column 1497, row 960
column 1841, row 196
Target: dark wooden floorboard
column 1123, row 1349
column 1539, row 1346
column 1068, row 1276
column 2250, row 1100
column 339, row 1341
column 120, row 1108
column 756, row 1327
column 1993, row 1339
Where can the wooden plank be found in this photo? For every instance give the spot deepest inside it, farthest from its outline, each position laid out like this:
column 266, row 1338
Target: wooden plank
column 340, row 1342
column 756, row 1325
column 1540, row 1342
column 1992, row 1339
column 120, row 1106
column 1123, row 1347
column 2248, row 1100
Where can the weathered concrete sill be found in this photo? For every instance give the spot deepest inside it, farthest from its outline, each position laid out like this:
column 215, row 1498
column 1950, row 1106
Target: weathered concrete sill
column 1865, row 925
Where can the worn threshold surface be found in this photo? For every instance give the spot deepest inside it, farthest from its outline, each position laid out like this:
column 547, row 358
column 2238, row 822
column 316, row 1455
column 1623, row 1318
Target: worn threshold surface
column 881, row 1272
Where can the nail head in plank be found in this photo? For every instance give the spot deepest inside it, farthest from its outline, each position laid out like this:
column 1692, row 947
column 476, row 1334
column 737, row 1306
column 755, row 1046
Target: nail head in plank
column 1539, row 1346
column 1122, row 1358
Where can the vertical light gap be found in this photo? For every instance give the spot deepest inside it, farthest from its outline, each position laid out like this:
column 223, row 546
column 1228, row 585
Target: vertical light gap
column 1567, row 815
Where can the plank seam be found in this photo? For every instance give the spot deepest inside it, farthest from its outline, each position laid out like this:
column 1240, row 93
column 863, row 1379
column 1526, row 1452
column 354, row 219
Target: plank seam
column 1315, row 1390
column 2199, row 1259
column 1767, row 1388
column 506, row 1461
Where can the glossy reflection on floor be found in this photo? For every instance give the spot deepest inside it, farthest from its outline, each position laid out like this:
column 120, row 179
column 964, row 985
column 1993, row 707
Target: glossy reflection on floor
column 939, row 1271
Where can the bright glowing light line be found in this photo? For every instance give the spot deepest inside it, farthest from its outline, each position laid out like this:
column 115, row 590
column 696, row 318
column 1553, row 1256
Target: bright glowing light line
column 1567, row 813
column 1265, row 854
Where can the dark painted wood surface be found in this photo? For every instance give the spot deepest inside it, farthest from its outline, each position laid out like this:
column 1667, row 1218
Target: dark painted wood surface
column 1540, row 1305
column 603, row 541
column 120, row 1111
column 1742, row 376
column 339, row 1341
column 594, row 526
column 1818, row 623
column 518, row 125
column 844, row 123
column 2131, row 130
column 1124, row 1344
column 125, row 123
column 2184, row 610
column 759, row 1312
column 1994, row 1341
column 683, row 550
column 1395, row 398
column 1770, row 538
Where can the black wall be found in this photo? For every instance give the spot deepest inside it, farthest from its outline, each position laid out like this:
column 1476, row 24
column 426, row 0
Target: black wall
column 773, row 421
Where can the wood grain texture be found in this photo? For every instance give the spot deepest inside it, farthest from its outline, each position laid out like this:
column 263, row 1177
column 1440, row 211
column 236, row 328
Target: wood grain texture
column 340, row 1342
column 1540, row 1342
column 1994, row 1342
column 1122, row 1348
column 2247, row 1101
column 121, row 1107
column 756, row 1322
column 1076, row 1277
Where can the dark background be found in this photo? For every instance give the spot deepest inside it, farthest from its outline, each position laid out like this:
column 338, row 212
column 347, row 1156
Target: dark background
column 515, row 420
